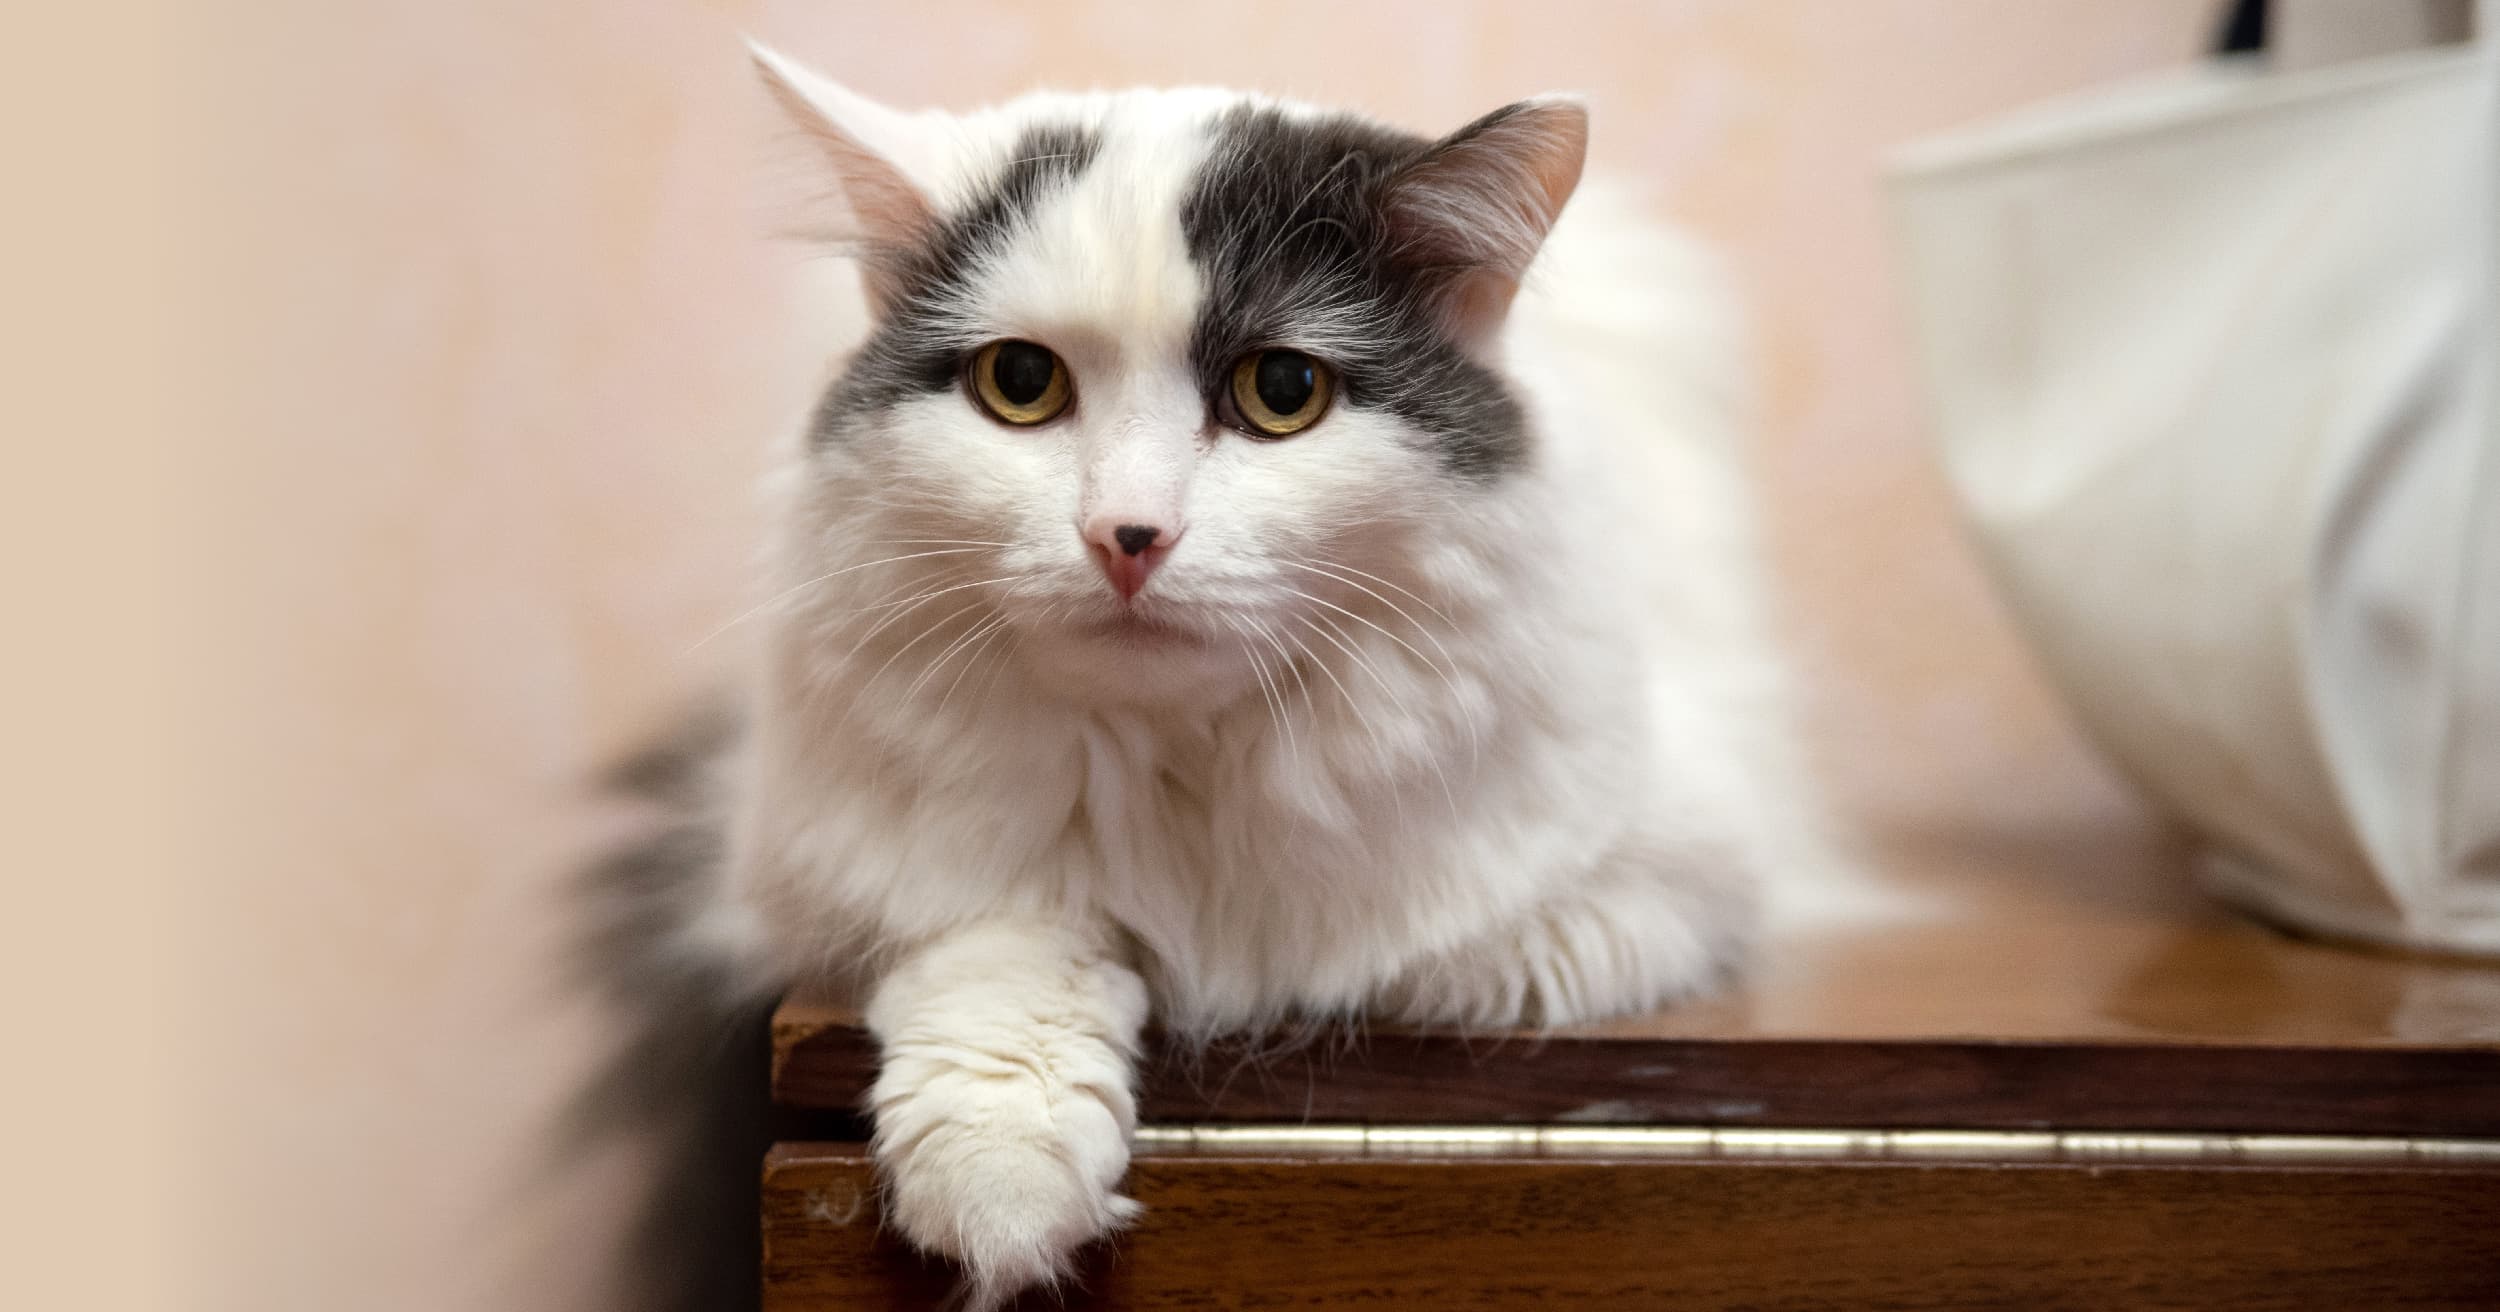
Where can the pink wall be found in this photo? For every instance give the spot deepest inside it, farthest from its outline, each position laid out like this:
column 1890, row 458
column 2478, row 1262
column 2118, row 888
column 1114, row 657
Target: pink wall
column 494, row 349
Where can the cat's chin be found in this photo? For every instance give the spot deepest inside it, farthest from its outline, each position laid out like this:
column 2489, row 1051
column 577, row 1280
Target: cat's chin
column 1136, row 658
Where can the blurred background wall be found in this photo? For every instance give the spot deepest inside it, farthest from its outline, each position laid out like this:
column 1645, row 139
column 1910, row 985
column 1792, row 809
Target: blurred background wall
column 490, row 350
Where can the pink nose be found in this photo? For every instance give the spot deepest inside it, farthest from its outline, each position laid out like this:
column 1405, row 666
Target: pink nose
column 1128, row 551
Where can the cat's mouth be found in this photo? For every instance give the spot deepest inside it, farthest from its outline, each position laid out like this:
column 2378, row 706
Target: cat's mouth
column 1133, row 628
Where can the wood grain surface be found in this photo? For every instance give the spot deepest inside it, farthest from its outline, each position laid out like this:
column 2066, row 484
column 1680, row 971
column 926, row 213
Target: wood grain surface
column 1237, row 1232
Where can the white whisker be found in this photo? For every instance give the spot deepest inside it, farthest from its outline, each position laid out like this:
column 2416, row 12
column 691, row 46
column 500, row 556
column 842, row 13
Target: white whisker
column 988, row 646
column 1284, row 661
column 923, row 636
column 1388, row 759
column 1367, row 622
column 1272, row 691
column 971, row 635
column 1339, row 570
column 1448, row 673
column 1345, row 642
column 794, row 590
column 880, row 625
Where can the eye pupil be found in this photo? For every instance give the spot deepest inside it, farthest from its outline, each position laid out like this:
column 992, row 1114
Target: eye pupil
column 1022, row 372
column 1278, row 393
column 1285, row 381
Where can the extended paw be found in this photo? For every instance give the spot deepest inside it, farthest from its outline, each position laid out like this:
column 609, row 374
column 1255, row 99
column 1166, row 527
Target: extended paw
column 1003, row 1105
column 1002, row 1178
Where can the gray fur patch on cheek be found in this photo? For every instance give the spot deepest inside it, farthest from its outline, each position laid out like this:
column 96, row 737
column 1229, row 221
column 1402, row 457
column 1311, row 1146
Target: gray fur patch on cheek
column 1284, row 224
column 915, row 349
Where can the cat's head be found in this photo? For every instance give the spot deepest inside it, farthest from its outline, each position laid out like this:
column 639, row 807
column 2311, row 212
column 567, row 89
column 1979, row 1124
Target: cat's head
column 1185, row 378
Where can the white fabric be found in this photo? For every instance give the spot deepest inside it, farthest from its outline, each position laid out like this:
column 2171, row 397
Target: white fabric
column 2213, row 366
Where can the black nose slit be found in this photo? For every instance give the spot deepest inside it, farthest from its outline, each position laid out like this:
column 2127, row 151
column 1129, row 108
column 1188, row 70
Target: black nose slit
column 1135, row 538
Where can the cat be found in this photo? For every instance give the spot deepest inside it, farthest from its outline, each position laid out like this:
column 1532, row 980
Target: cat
column 1261, row 565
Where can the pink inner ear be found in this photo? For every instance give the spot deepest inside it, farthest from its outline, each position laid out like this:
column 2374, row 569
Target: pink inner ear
column 1476, row 208
column 888, row 214
column 890, row 211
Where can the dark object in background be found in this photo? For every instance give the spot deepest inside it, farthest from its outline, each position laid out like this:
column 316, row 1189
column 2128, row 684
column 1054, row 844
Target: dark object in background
column 2300, row 34
column 2243, row 28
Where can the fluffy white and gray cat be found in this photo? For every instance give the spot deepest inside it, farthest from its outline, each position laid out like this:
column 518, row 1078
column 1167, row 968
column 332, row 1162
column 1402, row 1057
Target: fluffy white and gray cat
column 1260, row 565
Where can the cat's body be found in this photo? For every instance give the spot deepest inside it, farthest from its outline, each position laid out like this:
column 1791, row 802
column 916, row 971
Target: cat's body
column 1455, row 708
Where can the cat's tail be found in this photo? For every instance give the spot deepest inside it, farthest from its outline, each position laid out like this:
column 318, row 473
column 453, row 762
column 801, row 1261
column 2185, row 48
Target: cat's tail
column 690, row 1011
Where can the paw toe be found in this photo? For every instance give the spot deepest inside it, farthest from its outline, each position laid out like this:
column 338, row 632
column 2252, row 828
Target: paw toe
column 1011, row 1214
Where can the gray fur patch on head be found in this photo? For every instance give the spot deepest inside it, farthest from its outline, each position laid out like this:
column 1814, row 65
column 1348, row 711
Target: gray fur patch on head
column 1285, row 223
column 911, row 353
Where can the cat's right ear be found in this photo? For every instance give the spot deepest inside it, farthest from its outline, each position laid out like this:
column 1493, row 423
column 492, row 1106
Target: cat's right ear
column 879, row 213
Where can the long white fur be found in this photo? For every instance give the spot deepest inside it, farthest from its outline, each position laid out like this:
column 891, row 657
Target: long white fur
column 1491, row 756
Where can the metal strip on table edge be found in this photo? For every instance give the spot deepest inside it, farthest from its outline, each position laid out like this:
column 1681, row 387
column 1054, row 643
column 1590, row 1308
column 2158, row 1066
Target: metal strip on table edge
column 1705, row 1143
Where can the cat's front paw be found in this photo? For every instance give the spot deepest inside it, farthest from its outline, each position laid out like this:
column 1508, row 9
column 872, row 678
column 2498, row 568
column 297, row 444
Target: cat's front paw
column 1005, row 1174
column 1002, row 1103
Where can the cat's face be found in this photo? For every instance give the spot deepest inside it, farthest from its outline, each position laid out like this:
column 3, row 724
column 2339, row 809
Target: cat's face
column 1176, row 377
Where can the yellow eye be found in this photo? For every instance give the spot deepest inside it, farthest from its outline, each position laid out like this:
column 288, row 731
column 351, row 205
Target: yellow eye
column 1019, row 382
column 1280, row 392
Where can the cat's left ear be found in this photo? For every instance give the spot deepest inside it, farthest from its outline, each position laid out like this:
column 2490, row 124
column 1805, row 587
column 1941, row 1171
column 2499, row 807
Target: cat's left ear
column 1472, row 213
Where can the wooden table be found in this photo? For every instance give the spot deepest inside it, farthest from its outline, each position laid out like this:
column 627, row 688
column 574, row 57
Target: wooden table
column 2061, row 1080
